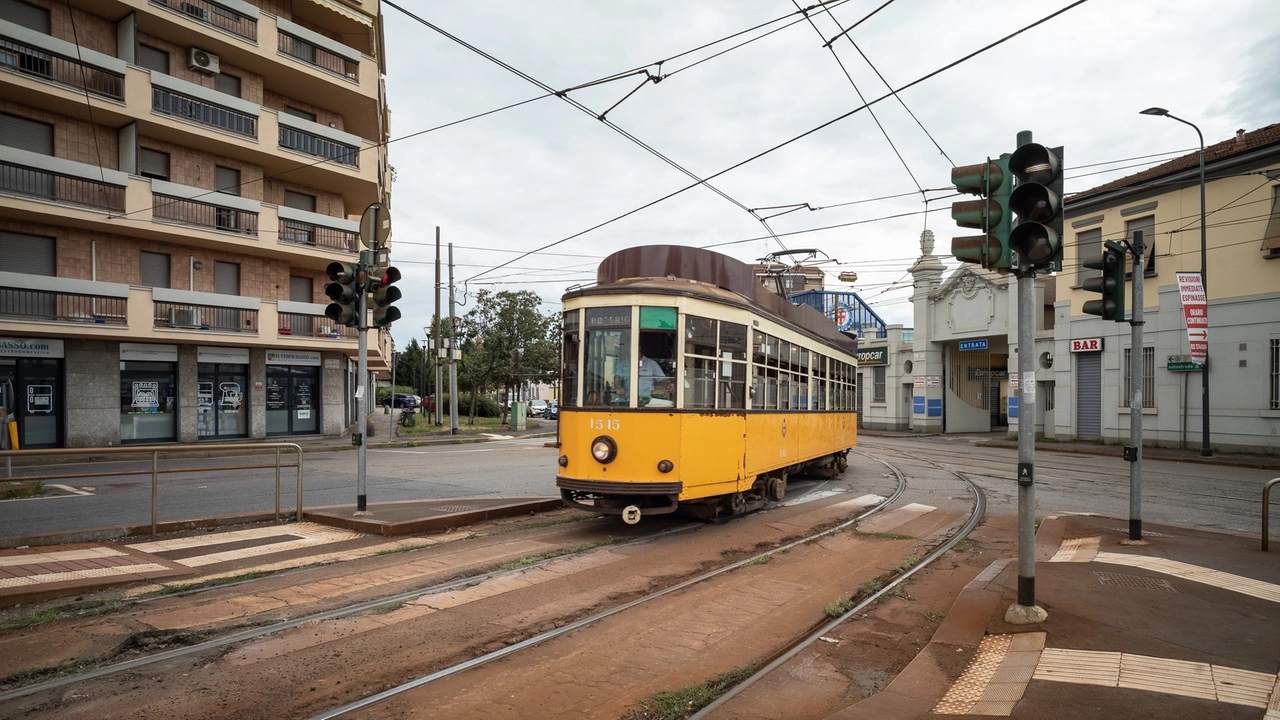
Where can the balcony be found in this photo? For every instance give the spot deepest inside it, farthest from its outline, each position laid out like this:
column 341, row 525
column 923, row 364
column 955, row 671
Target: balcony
column 319, row 140
column 204, row 208
column 237, row 18
column 299, row 227
column 308, row 320
column 198, row 104
column 39, row 55
column 204, row 312
column 317, row 50
column 39, row 298
column 61, row 181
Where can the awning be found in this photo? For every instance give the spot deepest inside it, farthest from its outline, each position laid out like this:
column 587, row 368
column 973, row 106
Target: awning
column 345, row 11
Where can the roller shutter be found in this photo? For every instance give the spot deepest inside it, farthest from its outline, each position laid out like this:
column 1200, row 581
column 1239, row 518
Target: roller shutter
column 226, row 278
column 24, row 134
column 30, row 254
column 28, row 16
column 1088, row 396
column 155, row 269
column 153, row 164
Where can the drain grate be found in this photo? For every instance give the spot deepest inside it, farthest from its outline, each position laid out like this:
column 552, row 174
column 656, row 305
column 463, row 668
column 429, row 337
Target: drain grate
column 1134, row 581
column 454, row 508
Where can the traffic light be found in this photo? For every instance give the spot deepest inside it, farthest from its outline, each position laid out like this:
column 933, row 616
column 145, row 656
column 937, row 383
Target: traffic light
column 384, row 293
column 1110, row 283
column 992, row 181
column 1037, row 201
column 344, row 291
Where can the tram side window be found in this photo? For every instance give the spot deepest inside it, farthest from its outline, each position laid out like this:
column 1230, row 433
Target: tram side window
column 786, row 397
column 699, row 372
column 819, row 382
column 757, row 370
column 572, row 341
column 607, row 365
column 656, row 376
column 733, row 368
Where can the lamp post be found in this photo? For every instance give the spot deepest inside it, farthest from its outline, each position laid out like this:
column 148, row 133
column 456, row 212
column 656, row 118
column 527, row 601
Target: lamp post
column 1205, row 450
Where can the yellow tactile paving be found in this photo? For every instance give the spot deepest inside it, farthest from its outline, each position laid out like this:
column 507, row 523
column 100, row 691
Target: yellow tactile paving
column 1195, row 573
column 307, row 530
column 1161, row 675
column 59, row 556
column 47, row 578
column 1273, row 706
column 971, row 686
column 1077, row 550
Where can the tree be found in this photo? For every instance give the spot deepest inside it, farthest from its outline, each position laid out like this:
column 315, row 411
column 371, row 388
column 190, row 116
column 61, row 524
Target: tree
column 509, row 340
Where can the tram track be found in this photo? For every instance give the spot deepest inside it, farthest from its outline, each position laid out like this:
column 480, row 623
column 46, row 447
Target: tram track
column 343, row 611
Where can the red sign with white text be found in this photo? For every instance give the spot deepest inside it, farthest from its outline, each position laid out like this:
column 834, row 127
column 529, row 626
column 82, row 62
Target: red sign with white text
column 1086, row 345
column 1195, row 308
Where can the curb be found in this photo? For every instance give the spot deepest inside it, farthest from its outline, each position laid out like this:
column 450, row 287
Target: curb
column 1261, row 463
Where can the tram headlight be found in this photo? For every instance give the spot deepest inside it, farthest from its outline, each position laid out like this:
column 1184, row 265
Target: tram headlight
column 604, row 449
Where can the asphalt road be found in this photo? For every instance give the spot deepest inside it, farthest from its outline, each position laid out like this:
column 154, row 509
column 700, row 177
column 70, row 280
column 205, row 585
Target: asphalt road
column 1199, row 495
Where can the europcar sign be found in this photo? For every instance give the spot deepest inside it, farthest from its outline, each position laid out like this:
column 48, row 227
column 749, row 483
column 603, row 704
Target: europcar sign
column 873, row 356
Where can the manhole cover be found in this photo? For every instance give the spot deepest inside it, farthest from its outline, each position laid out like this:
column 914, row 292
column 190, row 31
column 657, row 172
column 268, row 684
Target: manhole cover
column 1134, row 581
column 454, row 508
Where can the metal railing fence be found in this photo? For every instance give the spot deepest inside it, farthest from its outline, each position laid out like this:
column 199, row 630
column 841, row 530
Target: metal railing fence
column 317, row 56
column 171, row 103
column 205, row 317
column 203, row 214
column 156, row 471
column 301, row 233
column 216, row 15
column 54, row 306
column 37, row 183
column 62, row 70
column 299, row 325
column 305, row 142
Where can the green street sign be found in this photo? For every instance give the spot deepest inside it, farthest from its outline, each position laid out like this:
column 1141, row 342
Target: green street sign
column 1184, row 367
column 873, row 356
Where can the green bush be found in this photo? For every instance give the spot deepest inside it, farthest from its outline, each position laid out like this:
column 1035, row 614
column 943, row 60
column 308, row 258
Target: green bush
column 486, row 407
column 385, row 392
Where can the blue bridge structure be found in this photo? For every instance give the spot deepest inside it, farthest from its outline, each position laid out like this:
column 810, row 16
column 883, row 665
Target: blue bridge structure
column 850, row 313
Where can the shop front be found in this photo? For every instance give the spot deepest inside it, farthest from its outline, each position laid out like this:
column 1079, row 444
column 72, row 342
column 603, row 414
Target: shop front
column 293, row 392
column 148, row 393
column 31, row 391
column 222, row 394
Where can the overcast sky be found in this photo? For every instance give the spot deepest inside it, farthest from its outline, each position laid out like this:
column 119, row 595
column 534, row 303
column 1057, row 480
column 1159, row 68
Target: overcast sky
column 536, row 174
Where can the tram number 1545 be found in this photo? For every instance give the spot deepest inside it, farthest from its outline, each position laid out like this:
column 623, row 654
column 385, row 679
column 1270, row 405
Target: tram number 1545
column 598, row 424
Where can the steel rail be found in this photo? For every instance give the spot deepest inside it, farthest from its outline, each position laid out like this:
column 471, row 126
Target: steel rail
column 327, row 615
column 979, row 509
column 538, row 639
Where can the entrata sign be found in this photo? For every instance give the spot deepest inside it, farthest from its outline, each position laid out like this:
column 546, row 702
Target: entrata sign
column 1195, row 308
column 1087, row 345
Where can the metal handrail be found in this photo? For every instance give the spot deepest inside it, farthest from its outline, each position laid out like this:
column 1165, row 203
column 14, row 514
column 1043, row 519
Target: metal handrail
column 1266, row 512
column 155, row 470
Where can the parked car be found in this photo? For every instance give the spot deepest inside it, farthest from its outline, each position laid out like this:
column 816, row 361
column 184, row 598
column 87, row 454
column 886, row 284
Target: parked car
column 553, row 411
column 402, row 400
column 537, row 408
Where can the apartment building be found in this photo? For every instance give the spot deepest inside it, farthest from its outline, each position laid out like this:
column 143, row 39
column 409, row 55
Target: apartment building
column 1242, row 204
column 175, row 175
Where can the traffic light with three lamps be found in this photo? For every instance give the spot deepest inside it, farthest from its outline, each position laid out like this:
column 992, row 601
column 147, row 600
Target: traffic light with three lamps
column 344, row 290
column 990, row 180
column 1037, row 201
column 1110, row 283
column 384, row 293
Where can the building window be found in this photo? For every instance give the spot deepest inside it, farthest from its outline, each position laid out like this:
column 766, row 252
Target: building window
column 1275, row 373
column 153, row 59
column 877, row 383
column 28, row 16
column 299, row 201
column 24, row 134
column 226, row 278
column 155, row 269
column 153, row 164
column 1148, row 227
column 1148, row 378
column 300, row 289
column 147, row 403
column 299, row 113
column 227, row 179
column 224, row 83
column 1088, row 244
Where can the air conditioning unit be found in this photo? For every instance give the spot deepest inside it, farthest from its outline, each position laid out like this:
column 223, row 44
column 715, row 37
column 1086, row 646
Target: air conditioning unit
column 184, row 317
column 203, row 61
column 195, row 11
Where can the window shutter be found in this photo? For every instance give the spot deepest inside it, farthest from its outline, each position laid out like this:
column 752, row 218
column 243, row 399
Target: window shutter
column 28, row 16
column 228, row 180
column 1088, row 244
column 1271, row 239
column 300, row 290
column 24, row 134
column 226, row 277
column 153, row 164
column 155, row 269
column 229, row 84
column 298, row 201
column 299, row 113
column 30, row 254
column 153, row 59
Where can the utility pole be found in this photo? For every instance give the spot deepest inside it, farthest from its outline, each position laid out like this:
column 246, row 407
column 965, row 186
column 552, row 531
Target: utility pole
column 1134, row 453
column 453, row 358
column 436, row 348
column 362, row 374
column 391, row 424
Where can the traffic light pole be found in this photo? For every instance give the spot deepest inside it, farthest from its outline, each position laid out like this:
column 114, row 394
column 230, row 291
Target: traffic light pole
column 453, row 362
column 362, row 392
column 1134, row 453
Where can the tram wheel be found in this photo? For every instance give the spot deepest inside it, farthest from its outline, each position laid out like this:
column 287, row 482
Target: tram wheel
column 737, row 503
column 777, row 488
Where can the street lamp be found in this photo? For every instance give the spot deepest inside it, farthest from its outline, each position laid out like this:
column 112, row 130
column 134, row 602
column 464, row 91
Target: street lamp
column 1205, row 451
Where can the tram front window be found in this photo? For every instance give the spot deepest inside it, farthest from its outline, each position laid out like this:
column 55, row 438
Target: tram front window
column 655, row 378
column 607, row 375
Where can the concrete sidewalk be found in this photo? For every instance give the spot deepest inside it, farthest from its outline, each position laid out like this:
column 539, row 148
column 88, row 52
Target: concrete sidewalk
column 1186, row 626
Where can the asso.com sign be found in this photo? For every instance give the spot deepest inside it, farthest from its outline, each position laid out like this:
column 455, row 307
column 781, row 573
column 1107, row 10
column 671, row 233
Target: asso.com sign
column 14, row 347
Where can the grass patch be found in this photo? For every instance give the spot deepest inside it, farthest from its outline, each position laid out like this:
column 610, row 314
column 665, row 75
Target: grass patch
column 574, row 550
column 934, row 617
column 965, row 545
column 870, row 587
column 839, row 608
column 685, row 701
column 384, row 609
column 884, row 535
column 172, row 590
column 760, row 559
column 31, row 619
column 214, row 582
column 393, row 551
column 252, row 575
column 20, row 490
column 910, row 562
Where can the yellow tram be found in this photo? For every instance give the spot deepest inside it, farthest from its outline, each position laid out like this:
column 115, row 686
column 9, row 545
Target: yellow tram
column 689, row 386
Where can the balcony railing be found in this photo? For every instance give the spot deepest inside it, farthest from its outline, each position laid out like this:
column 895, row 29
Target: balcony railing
column 298, row 325
column 171, row 103
column 318, row 57
column 185, row 316
column 194, row 212
column 215, row 15
column 301, row 233
column 51, row 306
column 305, row 142
column 64, row 71
column 60, row 188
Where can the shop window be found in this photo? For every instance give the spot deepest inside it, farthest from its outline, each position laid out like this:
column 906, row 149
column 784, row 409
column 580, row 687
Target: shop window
column 147, row 404
column 222, row 401
column 292, row 399
column 31, row 391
